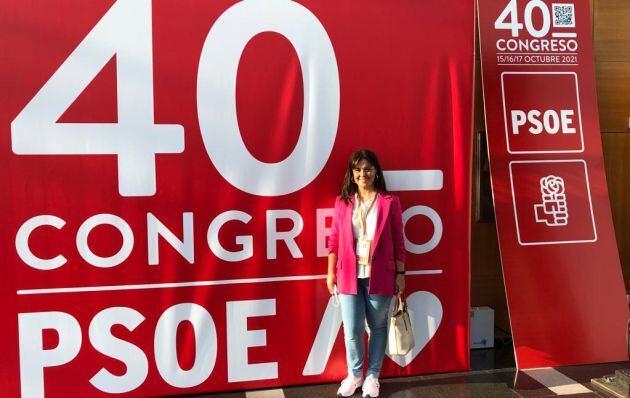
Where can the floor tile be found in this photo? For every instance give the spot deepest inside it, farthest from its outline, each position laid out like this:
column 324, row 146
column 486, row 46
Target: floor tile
column 584, row 373
column 479, row 383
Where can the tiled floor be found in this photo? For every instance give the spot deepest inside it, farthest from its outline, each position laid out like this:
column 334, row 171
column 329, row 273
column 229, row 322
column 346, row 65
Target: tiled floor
column 494, row 376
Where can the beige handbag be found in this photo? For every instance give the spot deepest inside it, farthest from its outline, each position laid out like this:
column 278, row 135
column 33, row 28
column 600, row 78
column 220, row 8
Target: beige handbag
column 400, row 337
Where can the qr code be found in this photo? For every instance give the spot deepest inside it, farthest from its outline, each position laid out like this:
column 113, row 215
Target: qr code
column 563, row 15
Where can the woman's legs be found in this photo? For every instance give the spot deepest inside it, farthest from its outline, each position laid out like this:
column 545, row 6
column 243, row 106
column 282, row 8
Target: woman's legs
column 353, row 317
column 354, row 311
column 377, row 309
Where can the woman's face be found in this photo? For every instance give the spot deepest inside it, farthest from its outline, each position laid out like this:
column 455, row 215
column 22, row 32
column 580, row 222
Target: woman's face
column 364, row 174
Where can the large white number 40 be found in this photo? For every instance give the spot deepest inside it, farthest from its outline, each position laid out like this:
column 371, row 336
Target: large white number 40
column 124, row 31
column 510, row 11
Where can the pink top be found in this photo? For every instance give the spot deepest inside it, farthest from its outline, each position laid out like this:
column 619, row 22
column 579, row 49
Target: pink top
column 387, row 246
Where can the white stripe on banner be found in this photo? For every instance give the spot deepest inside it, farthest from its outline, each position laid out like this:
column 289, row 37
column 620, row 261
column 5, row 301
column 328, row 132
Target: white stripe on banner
column 556, row 381
column 564, row 34
column 414, row 180
column 191, row 284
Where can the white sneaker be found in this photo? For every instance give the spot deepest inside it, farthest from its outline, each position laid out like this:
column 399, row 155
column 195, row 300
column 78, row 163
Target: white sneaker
column 349, row 385
column 370, row 387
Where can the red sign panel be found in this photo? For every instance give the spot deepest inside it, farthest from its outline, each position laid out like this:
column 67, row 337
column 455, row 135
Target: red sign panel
column 553, row 119
column 560, row 262
column 169, row 175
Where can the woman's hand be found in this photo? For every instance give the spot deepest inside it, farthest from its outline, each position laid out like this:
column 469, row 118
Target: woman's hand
column 400, row 283
column 331, row 281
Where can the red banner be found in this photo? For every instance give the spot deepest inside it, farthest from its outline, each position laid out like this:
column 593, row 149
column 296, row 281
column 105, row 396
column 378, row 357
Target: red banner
column 169, row 174
column 560, row 261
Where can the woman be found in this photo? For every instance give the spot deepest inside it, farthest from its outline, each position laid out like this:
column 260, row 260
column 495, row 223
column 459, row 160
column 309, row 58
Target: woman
column 366, row 266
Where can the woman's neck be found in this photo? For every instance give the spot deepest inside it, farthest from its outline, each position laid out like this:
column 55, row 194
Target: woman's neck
column 366, row 194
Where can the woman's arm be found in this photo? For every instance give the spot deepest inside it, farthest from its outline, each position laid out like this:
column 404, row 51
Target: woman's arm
column 397, row 233
column 399, row 244
column 400, row 277
column 331, row 279
column 333, row 246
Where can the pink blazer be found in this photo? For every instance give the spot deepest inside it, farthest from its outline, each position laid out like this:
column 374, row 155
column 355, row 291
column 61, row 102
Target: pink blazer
column 387, row 246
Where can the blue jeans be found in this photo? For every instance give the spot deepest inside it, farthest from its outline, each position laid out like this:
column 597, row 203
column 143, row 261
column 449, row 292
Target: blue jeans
column 355, row 309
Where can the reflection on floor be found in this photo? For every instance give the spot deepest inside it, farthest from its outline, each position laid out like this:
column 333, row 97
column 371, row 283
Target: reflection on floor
column 493, row 376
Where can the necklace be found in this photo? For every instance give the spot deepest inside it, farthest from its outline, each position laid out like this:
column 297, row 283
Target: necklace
column 365, row 202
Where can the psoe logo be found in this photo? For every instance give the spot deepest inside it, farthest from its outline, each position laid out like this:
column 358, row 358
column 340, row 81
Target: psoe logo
column 553, row 210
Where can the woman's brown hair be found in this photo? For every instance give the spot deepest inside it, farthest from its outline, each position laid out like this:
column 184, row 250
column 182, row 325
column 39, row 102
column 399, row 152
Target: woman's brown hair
column 349, row 188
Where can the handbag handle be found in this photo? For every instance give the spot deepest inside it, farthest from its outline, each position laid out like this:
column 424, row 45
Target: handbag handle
column 401, row 303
